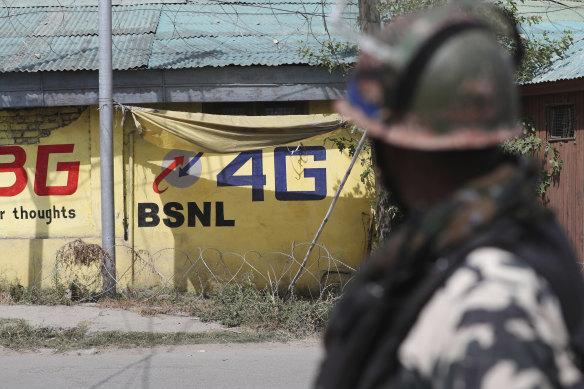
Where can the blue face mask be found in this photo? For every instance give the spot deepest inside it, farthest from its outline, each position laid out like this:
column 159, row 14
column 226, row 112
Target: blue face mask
column 356, row 99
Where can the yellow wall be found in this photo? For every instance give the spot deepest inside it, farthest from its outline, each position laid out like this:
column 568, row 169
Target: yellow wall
column 45, row 206
column 266, row 233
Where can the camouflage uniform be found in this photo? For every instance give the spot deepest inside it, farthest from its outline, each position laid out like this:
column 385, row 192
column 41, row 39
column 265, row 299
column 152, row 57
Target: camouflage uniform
column 495, row 324
column 493, row 321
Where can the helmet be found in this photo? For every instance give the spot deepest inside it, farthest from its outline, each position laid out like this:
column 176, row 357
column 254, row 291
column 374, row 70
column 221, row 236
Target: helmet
column 441, row 81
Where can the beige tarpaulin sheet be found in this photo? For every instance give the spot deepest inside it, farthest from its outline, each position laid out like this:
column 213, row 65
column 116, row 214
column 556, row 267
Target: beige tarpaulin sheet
column 224, row 133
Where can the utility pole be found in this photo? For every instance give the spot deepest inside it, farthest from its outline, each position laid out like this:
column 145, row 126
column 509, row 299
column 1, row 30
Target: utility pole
column 369, row 19
column 370, row 23
column 106, row 119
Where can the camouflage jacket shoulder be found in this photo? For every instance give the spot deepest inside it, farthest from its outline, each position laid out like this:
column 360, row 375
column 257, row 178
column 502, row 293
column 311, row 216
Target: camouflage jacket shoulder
column 494, row 324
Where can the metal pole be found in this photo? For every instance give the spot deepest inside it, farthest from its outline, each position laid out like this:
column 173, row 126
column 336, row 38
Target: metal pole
column 106, row 119
column 327, row 216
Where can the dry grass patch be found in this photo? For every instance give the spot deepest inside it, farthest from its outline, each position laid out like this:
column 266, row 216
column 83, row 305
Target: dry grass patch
column 16, row 334
column 234, row 305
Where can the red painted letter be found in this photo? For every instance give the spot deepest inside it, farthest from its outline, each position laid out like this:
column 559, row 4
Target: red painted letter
column 15, row 167
column 40, row 181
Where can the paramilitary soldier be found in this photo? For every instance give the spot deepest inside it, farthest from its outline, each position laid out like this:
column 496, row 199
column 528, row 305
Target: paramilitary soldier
column 479, row 288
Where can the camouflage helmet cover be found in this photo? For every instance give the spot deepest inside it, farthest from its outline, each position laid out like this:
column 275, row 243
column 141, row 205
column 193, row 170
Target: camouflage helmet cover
column 450, row 84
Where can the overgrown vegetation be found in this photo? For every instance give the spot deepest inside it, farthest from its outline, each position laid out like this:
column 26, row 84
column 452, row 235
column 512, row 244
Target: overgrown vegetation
column 540, row 50
column 16, row 334
column 15, row 293
column 349, row 144
column 258, row 314
column 533, row 146
column 237, row 305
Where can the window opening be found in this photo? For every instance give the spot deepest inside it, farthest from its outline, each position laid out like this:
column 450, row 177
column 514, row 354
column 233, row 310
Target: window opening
column 561, row 121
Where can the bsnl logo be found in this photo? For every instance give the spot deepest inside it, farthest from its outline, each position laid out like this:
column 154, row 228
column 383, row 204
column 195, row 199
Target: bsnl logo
column 182, row 169
column 41, row 188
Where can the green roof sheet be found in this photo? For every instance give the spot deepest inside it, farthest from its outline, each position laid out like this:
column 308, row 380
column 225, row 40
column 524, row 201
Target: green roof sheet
column 57, row 35
column 556, row 18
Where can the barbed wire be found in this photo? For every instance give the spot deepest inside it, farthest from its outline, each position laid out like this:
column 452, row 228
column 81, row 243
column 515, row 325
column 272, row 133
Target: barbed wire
column 78, row 268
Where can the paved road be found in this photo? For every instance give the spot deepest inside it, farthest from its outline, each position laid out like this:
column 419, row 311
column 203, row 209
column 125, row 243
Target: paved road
column 257, row 366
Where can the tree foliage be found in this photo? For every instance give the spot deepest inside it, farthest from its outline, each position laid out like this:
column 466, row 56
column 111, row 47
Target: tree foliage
column 540, row 50
column 533, row 146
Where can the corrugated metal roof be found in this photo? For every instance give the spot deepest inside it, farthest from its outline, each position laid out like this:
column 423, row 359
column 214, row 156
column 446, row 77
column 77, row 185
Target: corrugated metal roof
column 80, row 3
column 59, row 35
column 188, row 21
column 558, row 17
column 42, row 21
column 56, row 35
column 72, row 53
column 225, row 51
column 568, row 68
column 553, row 10
column 16, row 22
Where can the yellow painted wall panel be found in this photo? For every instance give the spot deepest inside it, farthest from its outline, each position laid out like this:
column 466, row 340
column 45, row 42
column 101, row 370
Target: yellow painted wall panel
column 45, row 187
column 172, row 229
column 252, row 203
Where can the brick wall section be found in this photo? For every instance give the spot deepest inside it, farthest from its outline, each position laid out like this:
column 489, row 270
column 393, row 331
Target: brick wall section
column 26, row 126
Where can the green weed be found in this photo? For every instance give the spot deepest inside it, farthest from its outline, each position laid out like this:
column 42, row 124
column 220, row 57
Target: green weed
column 245, row 305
